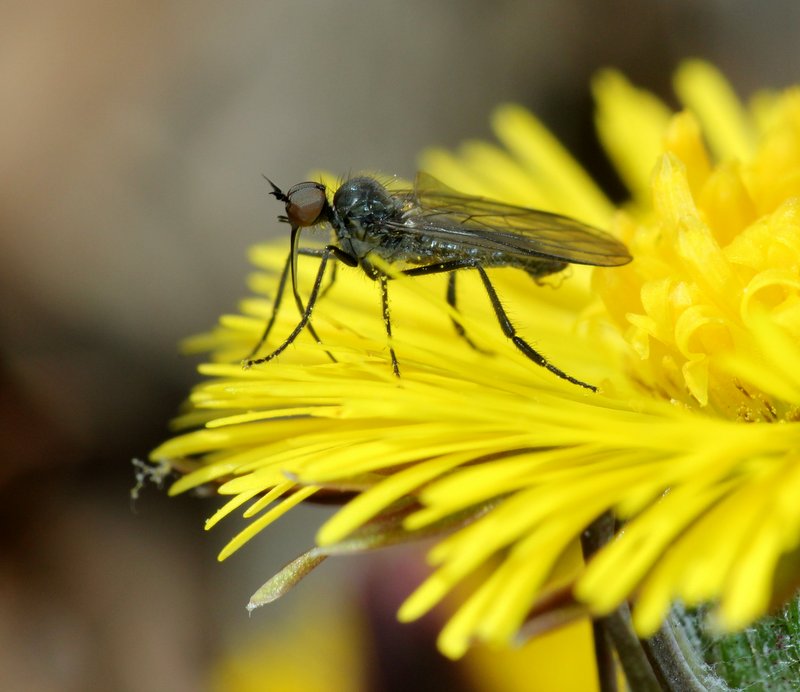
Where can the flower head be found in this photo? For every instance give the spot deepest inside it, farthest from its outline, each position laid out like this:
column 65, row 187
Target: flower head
column 690, row 441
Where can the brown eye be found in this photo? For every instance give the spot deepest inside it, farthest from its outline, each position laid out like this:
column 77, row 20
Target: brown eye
column 304, row 204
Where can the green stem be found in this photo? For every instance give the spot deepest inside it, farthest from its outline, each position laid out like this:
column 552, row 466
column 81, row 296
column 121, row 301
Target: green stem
column 592, row 539
column 615, row 629
column 677, row 660
column 765, row 657
column 632, row 657
column 686, row 655
column 604, row 658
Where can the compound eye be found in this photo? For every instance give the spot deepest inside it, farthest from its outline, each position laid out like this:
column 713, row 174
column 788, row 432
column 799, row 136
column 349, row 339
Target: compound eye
column 304, row 204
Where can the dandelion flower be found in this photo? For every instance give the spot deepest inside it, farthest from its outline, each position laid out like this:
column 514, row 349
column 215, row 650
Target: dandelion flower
column 690, row 442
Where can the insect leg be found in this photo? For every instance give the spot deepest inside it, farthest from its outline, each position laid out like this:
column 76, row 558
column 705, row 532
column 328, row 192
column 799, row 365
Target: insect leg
column 299, row 301
column 519, row 342
column 317, row 252
column 328, row 252
column 387, row 320
column 248, row 361
column 312, row 252
column 500, row 313
column 451, row 301
column 327, row 288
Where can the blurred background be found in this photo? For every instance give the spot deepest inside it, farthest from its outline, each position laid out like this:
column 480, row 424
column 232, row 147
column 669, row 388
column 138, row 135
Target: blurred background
column 133, row 137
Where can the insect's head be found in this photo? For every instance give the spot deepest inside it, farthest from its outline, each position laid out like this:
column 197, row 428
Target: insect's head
column 305, row 203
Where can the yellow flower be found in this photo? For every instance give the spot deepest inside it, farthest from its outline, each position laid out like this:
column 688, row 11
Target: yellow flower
column 690, row 441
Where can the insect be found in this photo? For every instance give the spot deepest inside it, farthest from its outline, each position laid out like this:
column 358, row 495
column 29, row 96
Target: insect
column 430, row 229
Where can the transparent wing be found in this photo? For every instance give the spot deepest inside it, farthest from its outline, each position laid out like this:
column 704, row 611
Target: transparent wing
column 445, row 215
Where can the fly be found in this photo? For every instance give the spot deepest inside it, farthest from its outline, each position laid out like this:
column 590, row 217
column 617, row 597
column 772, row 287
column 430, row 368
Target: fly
column 430, row 229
